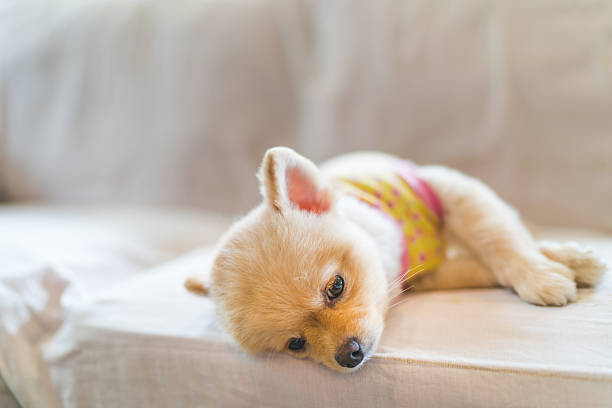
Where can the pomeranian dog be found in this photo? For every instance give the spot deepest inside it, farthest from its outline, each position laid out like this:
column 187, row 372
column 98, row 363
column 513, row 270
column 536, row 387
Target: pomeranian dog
column 312, row 270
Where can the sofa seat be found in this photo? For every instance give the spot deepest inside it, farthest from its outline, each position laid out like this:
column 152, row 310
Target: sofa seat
column 93, row 313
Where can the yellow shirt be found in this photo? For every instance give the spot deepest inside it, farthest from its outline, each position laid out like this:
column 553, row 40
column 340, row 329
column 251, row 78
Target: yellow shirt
column 413, row 206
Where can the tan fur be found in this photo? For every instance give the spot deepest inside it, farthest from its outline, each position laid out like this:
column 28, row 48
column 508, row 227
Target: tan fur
column 196, row 285
column 270, row 275
column 273, row 266
column 269, row 180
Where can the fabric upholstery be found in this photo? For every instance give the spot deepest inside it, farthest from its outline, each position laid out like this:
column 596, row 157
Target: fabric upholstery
column 103, row 320
column 146, row 101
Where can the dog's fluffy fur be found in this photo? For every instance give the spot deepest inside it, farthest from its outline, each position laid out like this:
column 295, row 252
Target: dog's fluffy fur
column 273, row 266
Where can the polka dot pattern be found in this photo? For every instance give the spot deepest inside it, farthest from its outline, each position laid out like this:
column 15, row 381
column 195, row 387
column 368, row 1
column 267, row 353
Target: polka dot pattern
column 394, row 196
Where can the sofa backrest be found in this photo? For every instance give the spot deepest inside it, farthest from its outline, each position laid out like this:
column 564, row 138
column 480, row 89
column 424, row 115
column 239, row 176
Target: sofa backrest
column 174, row 103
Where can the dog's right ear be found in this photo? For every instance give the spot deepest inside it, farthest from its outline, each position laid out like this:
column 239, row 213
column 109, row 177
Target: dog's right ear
column 198, row 283
column 288, row 180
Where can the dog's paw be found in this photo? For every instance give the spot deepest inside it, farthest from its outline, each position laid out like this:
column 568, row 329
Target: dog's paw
column 545, row 282
column 589, row 268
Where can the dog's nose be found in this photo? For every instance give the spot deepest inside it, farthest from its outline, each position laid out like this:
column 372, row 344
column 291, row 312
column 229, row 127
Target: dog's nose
column 349, row 354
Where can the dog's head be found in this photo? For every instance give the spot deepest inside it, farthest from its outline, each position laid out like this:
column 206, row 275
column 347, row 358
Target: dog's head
column 294, row 275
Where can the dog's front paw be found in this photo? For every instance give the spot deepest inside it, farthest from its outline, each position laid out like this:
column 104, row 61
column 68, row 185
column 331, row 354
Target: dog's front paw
column 589, row 268
column 545, row 282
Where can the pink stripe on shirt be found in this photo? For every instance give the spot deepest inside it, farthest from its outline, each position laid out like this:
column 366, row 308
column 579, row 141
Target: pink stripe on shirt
column 407, row 170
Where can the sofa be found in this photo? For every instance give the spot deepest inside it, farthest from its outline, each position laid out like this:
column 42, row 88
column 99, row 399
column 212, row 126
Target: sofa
column 130, row 133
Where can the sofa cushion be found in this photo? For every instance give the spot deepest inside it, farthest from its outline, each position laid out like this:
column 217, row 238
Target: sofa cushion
column 93, row 313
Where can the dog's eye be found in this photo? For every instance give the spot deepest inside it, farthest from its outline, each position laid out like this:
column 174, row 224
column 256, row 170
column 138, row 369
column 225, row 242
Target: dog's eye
column 296, row 343
column 335, row 287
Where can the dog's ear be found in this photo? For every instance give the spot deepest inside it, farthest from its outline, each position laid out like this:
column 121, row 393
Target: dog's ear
column 288, row 180
column 198, row 283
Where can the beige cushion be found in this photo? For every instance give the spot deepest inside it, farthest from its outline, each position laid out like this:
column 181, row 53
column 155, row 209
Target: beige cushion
column 6, row 398
column 175, row 102
column 93, row 314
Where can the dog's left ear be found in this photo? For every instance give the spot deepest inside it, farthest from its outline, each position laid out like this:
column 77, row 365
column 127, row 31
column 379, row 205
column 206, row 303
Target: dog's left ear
column 289, row 180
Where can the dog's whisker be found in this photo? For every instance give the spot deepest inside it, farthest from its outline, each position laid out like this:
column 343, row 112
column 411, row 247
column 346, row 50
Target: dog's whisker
column 395, row 282
column 403, row 291
column 395, row 286
column 406, row 277
column 400, row 302
column 412, row 272
column 399, row 285
column 419, row 266
column 415, row 271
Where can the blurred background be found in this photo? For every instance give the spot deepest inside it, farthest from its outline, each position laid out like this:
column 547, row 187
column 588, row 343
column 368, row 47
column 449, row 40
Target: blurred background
column 173, row 103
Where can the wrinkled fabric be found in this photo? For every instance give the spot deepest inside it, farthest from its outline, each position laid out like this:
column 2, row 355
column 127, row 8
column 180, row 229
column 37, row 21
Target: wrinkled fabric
column 175, row 102
column 104, row 321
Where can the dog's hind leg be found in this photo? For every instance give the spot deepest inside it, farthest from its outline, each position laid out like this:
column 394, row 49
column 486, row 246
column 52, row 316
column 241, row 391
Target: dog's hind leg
column 582, row 260
column 462, row 271
column 494, row 233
